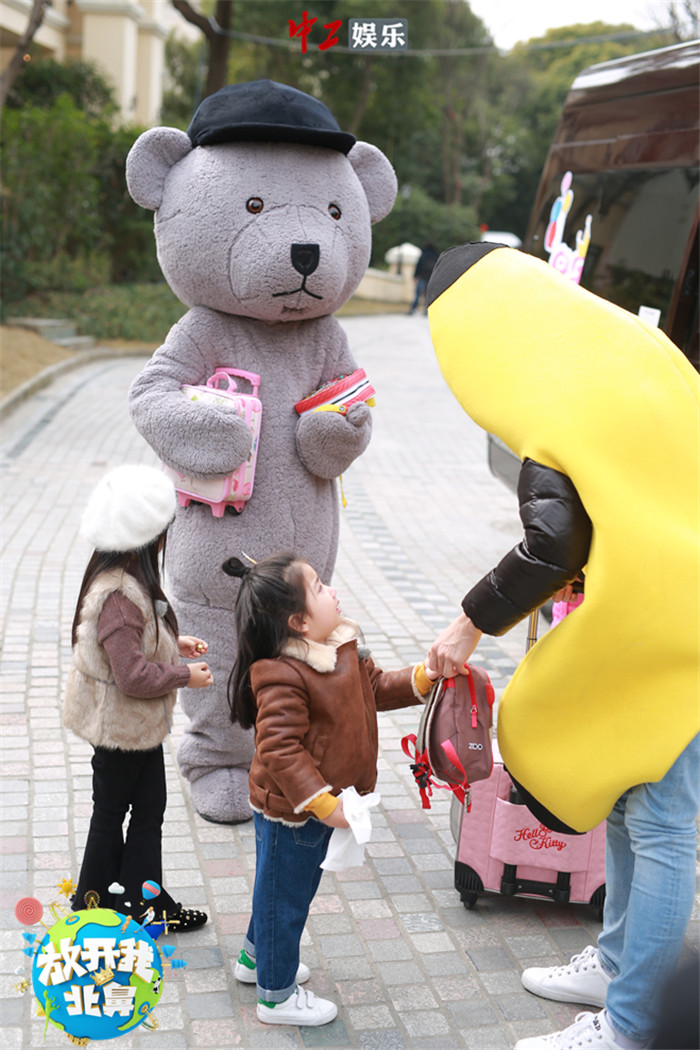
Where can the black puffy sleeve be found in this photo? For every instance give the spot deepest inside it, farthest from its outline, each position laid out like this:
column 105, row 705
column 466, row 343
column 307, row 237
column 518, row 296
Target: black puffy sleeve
column 552, row 552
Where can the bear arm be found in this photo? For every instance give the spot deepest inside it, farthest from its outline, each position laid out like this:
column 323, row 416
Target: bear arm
column 205, row 440
column 328, row 442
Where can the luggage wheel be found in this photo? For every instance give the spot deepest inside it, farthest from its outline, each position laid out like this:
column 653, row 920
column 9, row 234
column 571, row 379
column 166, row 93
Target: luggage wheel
column 468, row 884
column 597, row 901
column 468, row 899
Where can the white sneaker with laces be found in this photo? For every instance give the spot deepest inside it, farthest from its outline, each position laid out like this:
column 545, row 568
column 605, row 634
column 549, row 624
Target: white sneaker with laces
column 246, row 971
column 301, row 1007
column 582, row 980
column 588, row 1032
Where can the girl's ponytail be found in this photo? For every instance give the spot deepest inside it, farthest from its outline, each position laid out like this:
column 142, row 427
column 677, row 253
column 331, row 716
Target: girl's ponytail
column 235, row 567
column 271, row 591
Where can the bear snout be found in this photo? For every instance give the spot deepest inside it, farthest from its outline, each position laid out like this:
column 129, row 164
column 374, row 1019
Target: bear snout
column 305, row 258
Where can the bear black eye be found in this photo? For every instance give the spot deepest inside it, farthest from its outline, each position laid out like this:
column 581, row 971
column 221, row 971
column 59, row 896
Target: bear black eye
column 254, row 205
column 334, row 211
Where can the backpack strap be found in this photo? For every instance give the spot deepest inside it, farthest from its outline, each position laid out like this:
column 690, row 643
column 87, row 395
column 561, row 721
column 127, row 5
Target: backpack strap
column 420, row 767
column 423, row 773
column 462, row 790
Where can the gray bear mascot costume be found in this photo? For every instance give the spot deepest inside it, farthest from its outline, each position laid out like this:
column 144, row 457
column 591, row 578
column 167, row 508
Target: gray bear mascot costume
column 263, row 213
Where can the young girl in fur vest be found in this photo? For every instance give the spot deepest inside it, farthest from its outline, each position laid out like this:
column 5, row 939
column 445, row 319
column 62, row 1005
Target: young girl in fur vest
column 312, row 692
column 122, row 688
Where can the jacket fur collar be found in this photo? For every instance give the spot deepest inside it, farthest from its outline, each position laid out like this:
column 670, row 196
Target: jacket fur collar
column 321, row 656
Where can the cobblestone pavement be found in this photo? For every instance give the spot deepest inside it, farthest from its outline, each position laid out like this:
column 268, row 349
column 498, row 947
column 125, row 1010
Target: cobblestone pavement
column 390, row 942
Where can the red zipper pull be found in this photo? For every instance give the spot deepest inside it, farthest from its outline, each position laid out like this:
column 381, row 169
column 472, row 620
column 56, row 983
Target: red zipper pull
column 474, row 714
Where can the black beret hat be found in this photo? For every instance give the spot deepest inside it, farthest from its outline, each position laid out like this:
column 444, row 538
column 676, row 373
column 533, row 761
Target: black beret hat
column 264, row 111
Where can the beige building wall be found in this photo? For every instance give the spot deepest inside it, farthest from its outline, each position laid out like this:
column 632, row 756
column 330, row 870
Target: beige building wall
column 150, row 72
column 125, row 39
column 110, row 39
column 51, row 38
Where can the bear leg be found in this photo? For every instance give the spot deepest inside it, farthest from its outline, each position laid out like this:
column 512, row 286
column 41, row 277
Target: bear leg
column 221, row 795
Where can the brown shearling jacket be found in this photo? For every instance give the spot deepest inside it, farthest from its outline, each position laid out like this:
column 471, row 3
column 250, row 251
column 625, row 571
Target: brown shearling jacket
column 316, row 727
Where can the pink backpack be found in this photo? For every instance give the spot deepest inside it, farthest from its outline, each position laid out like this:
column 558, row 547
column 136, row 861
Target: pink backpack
column 453, row 742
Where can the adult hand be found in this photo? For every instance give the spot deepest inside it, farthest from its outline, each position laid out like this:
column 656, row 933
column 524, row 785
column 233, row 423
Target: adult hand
column 450, row 651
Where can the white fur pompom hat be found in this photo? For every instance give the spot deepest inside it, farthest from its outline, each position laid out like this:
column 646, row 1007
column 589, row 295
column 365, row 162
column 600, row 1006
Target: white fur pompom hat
column 128, row 509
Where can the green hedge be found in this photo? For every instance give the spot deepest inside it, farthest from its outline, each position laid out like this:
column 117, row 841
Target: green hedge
column 68, row 222
column 142, row 313
column 418, row 218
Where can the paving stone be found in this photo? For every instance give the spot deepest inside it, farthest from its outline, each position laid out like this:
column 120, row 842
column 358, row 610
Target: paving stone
column 381, row 1041
column 489, row 958
column 472, row 1012
column 209, row 1004
column 362, row 1017
column 519, row 1007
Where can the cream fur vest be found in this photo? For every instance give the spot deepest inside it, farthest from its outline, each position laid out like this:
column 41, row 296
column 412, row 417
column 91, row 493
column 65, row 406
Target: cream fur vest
column 93, row 707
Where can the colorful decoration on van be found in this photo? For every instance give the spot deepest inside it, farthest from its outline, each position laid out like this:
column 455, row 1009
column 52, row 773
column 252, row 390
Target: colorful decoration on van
column 567, row 261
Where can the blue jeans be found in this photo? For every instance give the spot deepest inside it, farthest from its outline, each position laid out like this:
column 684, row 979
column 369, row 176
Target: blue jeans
column 650, row 887
column 287, row 874
column 421, row 289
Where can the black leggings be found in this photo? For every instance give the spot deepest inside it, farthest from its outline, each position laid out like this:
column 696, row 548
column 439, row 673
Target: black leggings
column 124, row 780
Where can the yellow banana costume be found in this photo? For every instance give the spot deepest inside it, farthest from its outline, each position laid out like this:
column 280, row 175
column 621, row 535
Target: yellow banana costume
column 609, row 698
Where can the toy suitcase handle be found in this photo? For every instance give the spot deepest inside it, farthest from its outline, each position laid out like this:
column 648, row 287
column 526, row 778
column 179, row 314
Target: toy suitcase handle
column 228, row 373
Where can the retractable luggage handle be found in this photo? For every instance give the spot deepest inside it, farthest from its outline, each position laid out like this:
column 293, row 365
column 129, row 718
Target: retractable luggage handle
column 532, row 622
column 510, row 884
column 532, row 629
column 228, row 374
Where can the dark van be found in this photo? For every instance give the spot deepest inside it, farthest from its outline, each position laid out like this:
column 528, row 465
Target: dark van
column 617, row 203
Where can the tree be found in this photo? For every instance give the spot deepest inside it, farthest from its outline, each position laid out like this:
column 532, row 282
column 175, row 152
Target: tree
column 46, row 79
column 17, row 62
column 216, row 33
column 184, row 62
column 682, row 17
column 533, row 82
column 68, row 221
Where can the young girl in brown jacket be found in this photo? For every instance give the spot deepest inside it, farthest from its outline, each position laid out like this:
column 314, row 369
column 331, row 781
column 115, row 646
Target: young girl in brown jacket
column 312, row 692
column 122, row 687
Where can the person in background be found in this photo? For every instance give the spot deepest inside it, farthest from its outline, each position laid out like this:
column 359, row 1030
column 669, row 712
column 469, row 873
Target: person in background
column 421, row 275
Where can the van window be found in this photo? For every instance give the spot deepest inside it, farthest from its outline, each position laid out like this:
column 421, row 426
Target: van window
column 639, row 231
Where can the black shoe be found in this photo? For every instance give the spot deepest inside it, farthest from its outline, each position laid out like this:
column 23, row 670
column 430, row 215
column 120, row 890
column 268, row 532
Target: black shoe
column 181, row 919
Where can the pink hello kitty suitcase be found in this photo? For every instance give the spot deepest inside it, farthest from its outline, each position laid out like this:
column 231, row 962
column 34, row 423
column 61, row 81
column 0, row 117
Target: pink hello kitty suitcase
column 503, row 848
column 236, row 488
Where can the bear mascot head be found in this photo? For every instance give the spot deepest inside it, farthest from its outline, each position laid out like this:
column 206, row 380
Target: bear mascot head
column 263, row 213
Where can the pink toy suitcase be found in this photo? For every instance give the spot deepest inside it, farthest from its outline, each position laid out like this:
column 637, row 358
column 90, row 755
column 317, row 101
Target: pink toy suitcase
column 501, row 847
column 236, row 488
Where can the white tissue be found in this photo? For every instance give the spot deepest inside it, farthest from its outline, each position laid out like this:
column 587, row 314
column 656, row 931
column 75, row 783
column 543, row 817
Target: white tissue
column 346, row 847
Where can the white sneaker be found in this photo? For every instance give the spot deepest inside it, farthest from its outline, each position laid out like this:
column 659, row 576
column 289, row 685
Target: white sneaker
column 582, row 980
column 302, row 1007
column 246, row 971
column 588, row 1032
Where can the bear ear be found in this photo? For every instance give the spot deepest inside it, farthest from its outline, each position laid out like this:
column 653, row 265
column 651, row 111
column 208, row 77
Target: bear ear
column 377, row 177
column 150, row 159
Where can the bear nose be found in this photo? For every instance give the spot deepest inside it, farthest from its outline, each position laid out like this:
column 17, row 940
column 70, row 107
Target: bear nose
column 305, row 258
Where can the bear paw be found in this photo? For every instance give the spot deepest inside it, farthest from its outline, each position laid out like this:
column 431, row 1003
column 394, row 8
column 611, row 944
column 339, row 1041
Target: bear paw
column 221, row 796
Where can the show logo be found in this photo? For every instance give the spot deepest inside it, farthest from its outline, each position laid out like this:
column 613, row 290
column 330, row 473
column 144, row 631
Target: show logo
column 95, row 973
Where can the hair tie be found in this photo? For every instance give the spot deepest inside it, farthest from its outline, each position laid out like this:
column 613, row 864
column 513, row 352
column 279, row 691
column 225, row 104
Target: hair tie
column 235, row 567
